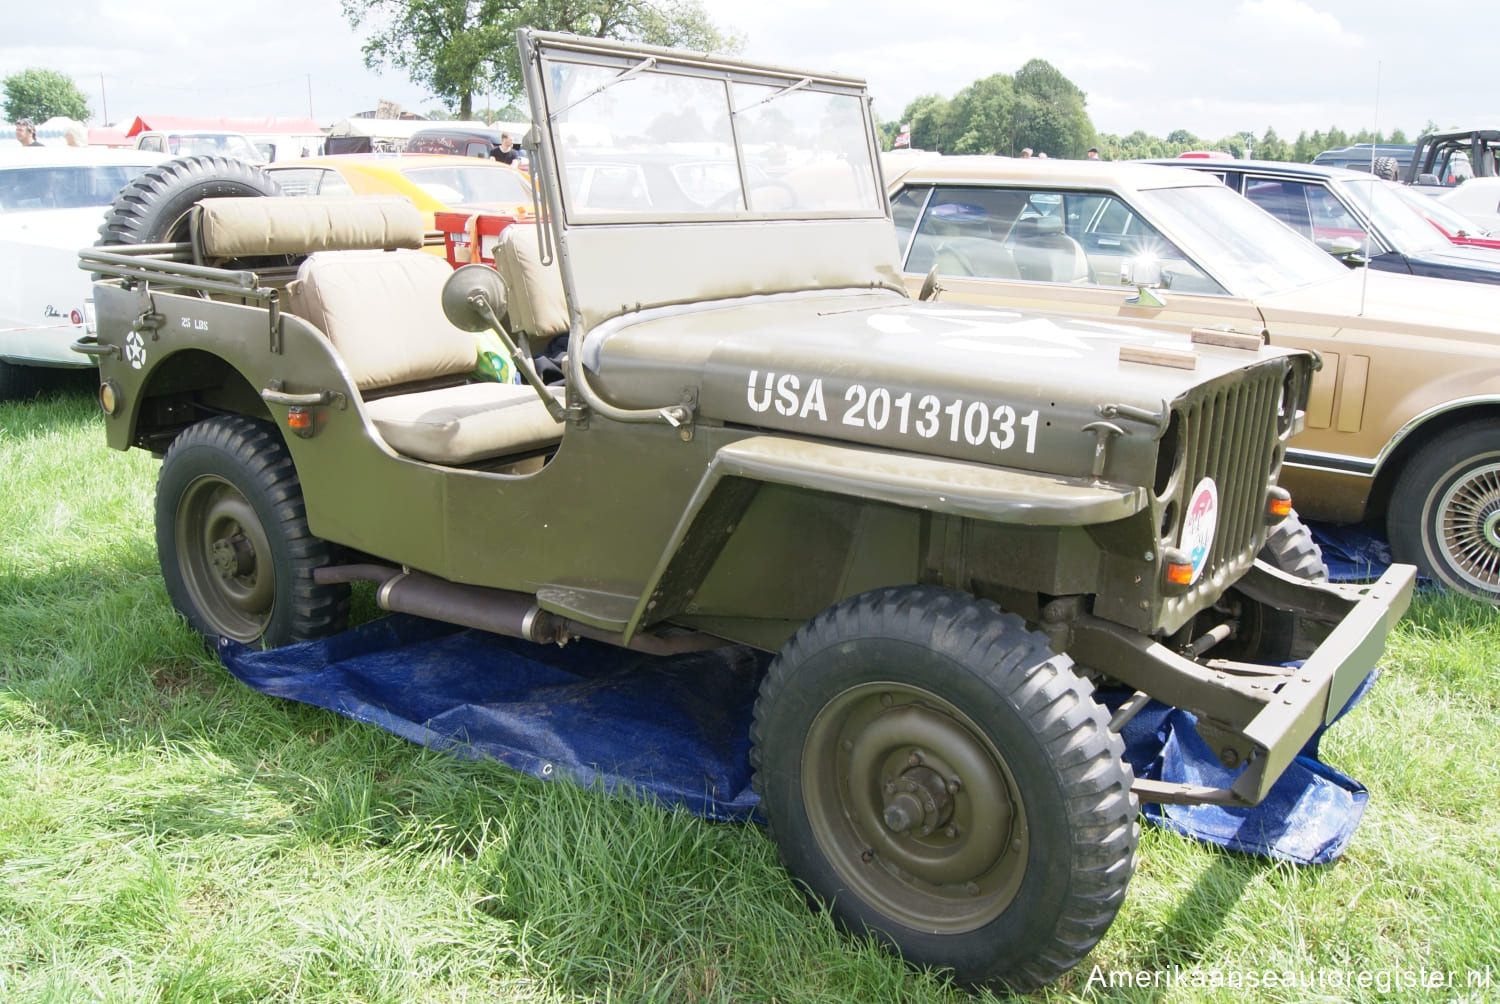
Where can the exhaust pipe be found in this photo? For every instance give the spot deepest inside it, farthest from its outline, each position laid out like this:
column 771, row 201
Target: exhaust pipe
column 499, row 611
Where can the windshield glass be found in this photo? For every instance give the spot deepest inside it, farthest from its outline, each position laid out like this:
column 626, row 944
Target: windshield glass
column 637, row 142
column 1247, row 249
column 1398, row 223
column 1451, row 220
column 471, row 185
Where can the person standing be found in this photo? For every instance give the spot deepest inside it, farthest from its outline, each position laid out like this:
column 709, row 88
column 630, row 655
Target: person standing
column 26, row 133
column 505, row 153
column 1093, row 153
column 75, row 134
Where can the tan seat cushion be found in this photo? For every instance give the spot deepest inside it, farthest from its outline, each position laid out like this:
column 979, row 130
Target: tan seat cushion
column 538, row 306
column 383, row 312
column 235, row 228
column 458, row 425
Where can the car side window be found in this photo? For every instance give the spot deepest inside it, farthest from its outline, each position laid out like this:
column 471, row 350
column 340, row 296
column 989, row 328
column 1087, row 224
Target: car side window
column 906, row 209
column 1308, row 208
column 1112, row 232
column 1285, row 200
column 963, row 232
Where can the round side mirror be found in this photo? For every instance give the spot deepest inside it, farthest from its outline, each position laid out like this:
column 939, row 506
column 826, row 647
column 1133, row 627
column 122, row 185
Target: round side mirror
column 464, row 288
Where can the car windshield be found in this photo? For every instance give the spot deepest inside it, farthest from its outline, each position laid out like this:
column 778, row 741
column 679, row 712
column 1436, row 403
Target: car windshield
column 64, row 186
column 652, row 144
column 1247, row 249
column 1454, row 223
column 190, row 144
column 1399, row 224
column 474, row 184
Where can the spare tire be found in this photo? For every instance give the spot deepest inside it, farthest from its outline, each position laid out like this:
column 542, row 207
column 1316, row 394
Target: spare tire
column 1386, row 167
column 153, row 209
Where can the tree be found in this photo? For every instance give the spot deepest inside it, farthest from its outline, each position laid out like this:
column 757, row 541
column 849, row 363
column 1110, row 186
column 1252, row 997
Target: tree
column 40, row 94
column 931, row 119
column 984, row 113
column 461, row 47
column 1050, row 114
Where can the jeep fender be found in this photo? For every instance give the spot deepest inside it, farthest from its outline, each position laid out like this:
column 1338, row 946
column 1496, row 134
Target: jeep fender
column 923, row 483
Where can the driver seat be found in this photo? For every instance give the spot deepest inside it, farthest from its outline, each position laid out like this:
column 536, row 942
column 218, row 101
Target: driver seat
column 1043, row 253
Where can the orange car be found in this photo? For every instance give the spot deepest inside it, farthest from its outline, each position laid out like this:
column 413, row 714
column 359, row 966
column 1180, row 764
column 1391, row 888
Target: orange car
column 435, row 182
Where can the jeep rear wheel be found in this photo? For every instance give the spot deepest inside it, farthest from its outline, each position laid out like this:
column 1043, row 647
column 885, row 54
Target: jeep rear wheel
column 1445, row 515
column 233, row 540
column 933, row 773
column 153, row 208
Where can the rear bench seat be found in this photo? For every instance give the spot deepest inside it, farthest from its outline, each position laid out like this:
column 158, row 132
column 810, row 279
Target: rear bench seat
column 382, row 312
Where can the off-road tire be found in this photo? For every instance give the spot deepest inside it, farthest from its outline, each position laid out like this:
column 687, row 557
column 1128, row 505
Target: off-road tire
column 1444, row 516
column 153, row 208
column 1290, row 547
column 865, row 719
column 233, row 540
column 1267, row 635
column 1387, row 168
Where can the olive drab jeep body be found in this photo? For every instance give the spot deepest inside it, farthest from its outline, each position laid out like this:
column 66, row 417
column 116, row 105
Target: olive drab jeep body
column 948, row 522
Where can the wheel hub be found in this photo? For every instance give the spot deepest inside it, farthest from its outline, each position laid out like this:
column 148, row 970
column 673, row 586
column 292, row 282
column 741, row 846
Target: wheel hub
column 916, row 806
column 919, row 799
column 233, row 556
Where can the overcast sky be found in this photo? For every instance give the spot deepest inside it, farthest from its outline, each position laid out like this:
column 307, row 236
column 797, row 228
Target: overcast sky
column 1213, row 67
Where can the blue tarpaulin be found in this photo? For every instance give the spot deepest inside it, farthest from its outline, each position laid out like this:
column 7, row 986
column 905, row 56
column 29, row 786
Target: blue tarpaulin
column 678, row 728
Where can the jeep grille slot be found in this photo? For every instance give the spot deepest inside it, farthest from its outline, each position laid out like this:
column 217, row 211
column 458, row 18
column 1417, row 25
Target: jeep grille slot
column 1231, row 438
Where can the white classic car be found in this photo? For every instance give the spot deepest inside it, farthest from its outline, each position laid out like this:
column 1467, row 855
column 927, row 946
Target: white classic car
column 52, row 200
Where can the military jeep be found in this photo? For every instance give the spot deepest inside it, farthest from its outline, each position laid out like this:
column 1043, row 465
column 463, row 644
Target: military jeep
column 949, row 523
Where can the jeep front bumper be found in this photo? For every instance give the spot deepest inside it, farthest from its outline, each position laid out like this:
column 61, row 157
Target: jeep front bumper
column 1257, row 715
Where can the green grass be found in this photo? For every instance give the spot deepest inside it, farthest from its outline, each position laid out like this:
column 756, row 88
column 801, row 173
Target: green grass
column 168, row 835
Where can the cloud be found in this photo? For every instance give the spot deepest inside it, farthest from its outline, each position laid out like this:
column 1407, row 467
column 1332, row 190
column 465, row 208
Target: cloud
column 1293, row 20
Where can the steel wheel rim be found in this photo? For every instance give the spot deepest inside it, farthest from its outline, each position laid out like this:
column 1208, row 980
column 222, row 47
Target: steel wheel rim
column 224, row 555
column 1468, row 527
column 880, row 756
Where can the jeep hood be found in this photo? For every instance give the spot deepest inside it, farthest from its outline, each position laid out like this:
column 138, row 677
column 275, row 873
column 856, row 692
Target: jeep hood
column 970, row 382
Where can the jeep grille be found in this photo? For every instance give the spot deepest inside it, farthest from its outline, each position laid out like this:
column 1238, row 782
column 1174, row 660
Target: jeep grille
column 1230, row 434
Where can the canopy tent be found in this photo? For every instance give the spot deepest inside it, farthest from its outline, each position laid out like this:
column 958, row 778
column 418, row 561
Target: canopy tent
column 277, row 124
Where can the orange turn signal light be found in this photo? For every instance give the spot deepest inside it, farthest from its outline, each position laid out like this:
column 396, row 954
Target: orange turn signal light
column 1180, row 573
column 1278, row 505
column 299, row 419
column 1177, row 566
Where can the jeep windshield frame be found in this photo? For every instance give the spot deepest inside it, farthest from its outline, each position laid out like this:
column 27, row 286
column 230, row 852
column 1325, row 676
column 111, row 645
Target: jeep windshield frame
column 645, row 136
column 679, row 180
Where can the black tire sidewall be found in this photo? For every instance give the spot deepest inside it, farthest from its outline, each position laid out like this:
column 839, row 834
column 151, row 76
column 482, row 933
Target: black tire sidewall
column 1411, row 525
column 151, row 208
column 1063, row 764
column 221, row 448
column 1048, row 875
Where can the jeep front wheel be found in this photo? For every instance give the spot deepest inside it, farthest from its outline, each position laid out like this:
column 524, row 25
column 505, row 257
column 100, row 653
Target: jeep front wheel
column 1445, row 515
column 936, row 776
column 233, row 540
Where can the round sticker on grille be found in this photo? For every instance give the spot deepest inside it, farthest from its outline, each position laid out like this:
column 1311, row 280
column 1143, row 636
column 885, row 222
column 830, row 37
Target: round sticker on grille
column 1200, row 523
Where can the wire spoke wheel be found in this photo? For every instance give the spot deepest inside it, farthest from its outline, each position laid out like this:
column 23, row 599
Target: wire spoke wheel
column 1468, row 520
column 1444, row 515
column 915, row 807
